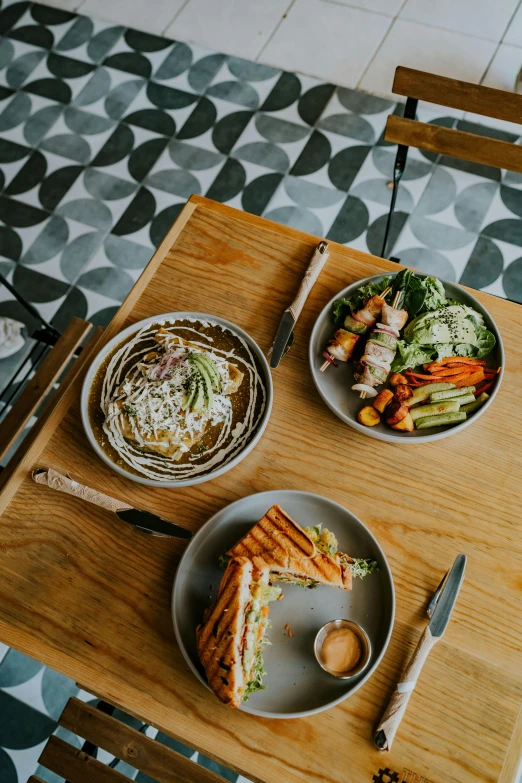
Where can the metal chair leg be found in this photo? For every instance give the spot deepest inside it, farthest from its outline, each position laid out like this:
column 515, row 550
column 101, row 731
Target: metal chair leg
column 398, row 170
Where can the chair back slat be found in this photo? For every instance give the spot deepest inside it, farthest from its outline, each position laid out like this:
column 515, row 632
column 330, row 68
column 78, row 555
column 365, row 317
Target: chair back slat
column 75, row 766
column 454, row 143
column 34, row 779
column 141, row 752
column 41, row 383
column 456, row 94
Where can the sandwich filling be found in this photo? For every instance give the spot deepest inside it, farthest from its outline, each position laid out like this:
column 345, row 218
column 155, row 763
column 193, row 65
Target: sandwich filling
column 254, row 638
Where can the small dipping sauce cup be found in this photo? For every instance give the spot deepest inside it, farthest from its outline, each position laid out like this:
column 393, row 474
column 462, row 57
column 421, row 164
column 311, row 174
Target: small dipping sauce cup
column 342, row 648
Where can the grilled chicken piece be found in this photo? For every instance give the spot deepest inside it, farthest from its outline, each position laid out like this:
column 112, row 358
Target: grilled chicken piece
column 393, row 317
column 342, row 345
column 371, row 311
column 382, row 353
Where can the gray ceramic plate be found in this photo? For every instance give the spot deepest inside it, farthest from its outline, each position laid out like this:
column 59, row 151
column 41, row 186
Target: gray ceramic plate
column 130, row 330
column 334, row 385
column 296, row 685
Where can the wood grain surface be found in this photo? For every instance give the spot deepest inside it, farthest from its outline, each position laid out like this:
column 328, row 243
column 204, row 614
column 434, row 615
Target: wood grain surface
column 455, row 143
column 90, row 597
column 135, row 748
column 475, row 98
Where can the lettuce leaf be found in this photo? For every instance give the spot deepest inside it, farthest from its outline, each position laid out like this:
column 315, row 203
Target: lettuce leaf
column 411, row 355
column 435, row 295
column 342, row 307
column 485, row 342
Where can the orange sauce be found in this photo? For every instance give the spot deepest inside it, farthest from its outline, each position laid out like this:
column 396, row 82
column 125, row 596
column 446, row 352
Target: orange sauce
column 341, row 650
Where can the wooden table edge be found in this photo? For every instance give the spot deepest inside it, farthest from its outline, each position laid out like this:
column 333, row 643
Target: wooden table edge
column 33, row 445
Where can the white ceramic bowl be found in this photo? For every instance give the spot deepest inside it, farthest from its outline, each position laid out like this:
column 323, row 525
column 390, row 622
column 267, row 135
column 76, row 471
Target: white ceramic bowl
column 130, row 330
column 334, row 385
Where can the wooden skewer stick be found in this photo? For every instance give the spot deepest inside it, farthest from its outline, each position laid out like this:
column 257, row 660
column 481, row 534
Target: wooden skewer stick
column 326, row 364
column 394, row 305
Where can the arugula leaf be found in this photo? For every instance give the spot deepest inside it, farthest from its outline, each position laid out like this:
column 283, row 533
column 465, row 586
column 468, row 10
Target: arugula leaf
column 342, row 307
column 361, row 567
column 223, row 561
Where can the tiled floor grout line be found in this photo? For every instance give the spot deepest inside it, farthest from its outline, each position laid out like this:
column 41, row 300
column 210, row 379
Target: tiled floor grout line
column 501, row 42
column 358, row 8
column 377, row 50
column 276, row 28
column 178, row 12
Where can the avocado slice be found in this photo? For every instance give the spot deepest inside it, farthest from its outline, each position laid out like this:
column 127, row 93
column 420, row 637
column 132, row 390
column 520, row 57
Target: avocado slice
column 206, row 377
column 199, row 400
column 201, row 368
column 211, row 369
column 191, row 391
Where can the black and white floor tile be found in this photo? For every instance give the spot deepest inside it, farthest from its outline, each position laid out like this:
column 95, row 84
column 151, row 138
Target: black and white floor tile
column 104, row 134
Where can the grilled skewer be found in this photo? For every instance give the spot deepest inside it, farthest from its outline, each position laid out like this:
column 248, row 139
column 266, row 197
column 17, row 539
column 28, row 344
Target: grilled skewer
column 381, row 347
column 343, row 342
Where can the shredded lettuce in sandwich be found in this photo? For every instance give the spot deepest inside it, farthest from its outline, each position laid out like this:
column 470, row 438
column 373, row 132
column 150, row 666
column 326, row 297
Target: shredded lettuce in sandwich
column 326, row 542
column 258, row 671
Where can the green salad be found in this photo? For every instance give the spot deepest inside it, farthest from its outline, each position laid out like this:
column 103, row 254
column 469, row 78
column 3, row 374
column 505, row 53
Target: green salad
column 437, row 327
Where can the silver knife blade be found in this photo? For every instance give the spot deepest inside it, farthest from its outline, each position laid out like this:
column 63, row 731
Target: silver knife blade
column 448, row 596
column 150, row 523
column 281, row 339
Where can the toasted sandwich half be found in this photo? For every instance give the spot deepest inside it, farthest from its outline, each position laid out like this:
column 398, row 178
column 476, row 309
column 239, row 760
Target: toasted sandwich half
column 305, row 557
column 232, row 636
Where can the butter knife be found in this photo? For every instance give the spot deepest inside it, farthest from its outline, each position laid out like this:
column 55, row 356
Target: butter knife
column 439, row 611
column 141, row 520
column 284, row 336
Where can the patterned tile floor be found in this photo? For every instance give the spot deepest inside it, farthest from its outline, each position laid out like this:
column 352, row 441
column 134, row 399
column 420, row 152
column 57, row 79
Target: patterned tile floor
column 104, row 133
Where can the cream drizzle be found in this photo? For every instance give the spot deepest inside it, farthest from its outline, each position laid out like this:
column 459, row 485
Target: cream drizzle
column 155, row 466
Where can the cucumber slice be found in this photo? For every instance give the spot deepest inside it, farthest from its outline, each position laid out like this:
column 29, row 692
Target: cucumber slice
column 478, row 403
column 423, row 393
column 438, row 421
column 450, row 393
column 435, row 409
column 463, row 400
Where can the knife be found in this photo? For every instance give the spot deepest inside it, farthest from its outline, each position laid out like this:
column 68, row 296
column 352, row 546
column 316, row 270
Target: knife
column 141, row 520
column 439, row 611
column 284, row 336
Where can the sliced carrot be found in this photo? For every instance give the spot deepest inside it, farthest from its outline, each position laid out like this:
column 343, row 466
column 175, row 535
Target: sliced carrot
column 454, row 371
column 468, row 379
column 482, row 388
column 463, row 360
column 264, row 611
column 422, row 377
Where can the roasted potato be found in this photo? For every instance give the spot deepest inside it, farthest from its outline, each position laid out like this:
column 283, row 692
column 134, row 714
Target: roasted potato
column 406, row 424
column 403, row 392
column 383, row 399
column 396, row 378
column 368, row 416
column 396, row 412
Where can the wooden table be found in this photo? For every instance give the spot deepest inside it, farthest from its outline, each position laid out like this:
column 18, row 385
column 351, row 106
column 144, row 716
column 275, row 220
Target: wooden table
column 90, row 597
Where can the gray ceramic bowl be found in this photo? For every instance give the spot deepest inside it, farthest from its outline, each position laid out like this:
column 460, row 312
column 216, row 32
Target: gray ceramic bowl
column 334, row 385
column 120, row 337
column 296, row 685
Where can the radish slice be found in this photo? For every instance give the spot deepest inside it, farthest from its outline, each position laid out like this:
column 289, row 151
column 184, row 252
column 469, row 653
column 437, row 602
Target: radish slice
column 386, row 328
column 372, row 362
column 370, row 391
column 330, row 358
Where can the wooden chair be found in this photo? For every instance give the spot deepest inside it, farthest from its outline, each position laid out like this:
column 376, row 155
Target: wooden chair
column 102, row 730
column 407, row 132
column 47, row 373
